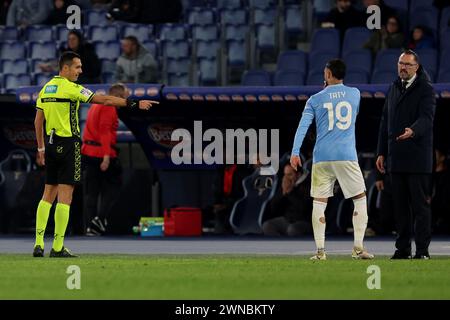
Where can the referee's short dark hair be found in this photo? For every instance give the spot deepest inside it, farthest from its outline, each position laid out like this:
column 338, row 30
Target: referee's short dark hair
column 67, row 58
column 337, row 68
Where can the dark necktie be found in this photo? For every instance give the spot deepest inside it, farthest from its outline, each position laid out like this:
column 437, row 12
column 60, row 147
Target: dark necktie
column 404, row 83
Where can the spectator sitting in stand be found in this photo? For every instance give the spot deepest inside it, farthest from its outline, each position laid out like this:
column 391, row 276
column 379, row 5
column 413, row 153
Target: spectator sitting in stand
column 22, row 13
column 421, row 39
column 136, row 64
column 343, row 17
column 388, row 37
column 59, row 13
column 124, row 10
column 292, row 205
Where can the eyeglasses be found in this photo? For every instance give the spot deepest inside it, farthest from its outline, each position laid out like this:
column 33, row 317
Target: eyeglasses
column 407, row 64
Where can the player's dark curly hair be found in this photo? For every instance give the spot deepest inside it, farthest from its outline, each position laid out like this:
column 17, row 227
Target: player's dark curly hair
column 337, row 68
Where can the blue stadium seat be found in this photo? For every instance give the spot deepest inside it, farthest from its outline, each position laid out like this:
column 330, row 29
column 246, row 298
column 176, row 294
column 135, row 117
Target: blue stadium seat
column 387, row 60
column 152, row 47
column 205, row 32
column 294, row 20
column 445, row 20
column 8, row 33
column 175, row 49
column 229, row 4
column 12, row 50
column 142, row 32
column 399, row 4
column 39, row 33
column 108, row 77
column 445, row 56
column 109, row 65
column 358, row 60
column 13, row 81
column 326, row 40
column 178, row 79
column 84, row 109
column 256, row 78
column 19, row 66
column 237, row 16
column 359, row 77
column 265, row 37
column 261, row 3
column 292, row 60
column 95, row 17
column 315, row 78
column 208, row 71
column 60, row 32
column 236, row 52
column 318, row 60
column 39, row 79
column 425, row 16
column 236, row 32
column 201, row 16
column 444, row 76
column 289, row 78
column 181, row 65
column 107, row 50
column 428, row 58
column 173, row 32
column 207, row 49
column 103, row 33
column 382, row 76
column 354, row 39
column 420, row 3
column 445, row 39
column 321, row 8
column 265, row 16
column 42, row 50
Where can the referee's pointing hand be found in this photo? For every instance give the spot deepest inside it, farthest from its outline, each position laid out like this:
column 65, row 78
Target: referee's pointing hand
column 146, row 104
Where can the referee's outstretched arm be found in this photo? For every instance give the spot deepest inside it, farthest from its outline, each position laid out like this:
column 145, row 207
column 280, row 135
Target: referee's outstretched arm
column 121, row 102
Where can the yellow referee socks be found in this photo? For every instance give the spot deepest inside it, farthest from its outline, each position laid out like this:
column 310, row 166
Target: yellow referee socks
column 43, row 211
column 61, row 220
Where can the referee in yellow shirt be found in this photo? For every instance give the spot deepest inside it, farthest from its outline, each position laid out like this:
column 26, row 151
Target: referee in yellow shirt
column 59, row 145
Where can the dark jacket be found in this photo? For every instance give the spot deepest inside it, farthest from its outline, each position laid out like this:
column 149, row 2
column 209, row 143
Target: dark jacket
column 92, row 66
column 414, row 109
column 294, row 206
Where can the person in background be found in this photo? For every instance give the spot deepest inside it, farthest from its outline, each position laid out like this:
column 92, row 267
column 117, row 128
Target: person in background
column 421, row 39
column 292, row 206
column 124, row 10
column 59, row 13
column 440, row 199
column 343, row 17
column 388, row 37
column 136, row 64
column 23, row 13
column 102, row 168
column 4, row 6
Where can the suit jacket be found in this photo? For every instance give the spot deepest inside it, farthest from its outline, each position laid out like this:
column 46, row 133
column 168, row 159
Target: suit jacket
column 414, row 109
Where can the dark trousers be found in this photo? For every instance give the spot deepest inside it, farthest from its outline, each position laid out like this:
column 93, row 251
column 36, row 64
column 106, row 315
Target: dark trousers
column 411, row 194
column 101, row 188
column 280, row 226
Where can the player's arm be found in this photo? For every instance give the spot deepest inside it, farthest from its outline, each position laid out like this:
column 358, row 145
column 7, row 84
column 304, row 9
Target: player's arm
column 39, row 128
column 305, row 122
column 120, row 102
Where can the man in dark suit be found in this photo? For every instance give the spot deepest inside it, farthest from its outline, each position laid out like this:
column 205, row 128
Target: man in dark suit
column 405, row 141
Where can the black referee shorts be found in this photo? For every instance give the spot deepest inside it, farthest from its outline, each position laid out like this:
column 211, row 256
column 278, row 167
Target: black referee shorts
column 63, row 161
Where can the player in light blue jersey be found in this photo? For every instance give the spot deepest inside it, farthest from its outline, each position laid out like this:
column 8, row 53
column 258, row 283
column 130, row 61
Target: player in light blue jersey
column 334, row 110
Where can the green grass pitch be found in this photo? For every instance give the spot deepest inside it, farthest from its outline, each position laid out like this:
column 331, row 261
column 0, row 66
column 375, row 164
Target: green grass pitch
column 221, row 277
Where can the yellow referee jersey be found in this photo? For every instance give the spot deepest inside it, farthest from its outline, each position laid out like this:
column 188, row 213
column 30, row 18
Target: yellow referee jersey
column 60, row 99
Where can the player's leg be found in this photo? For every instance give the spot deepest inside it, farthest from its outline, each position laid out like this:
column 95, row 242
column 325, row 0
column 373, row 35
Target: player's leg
column 322, row 184
column 68, row 176
column 352, row 184
column 43, row 211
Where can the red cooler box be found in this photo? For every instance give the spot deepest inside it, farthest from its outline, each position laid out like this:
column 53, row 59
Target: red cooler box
column 182, row 221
